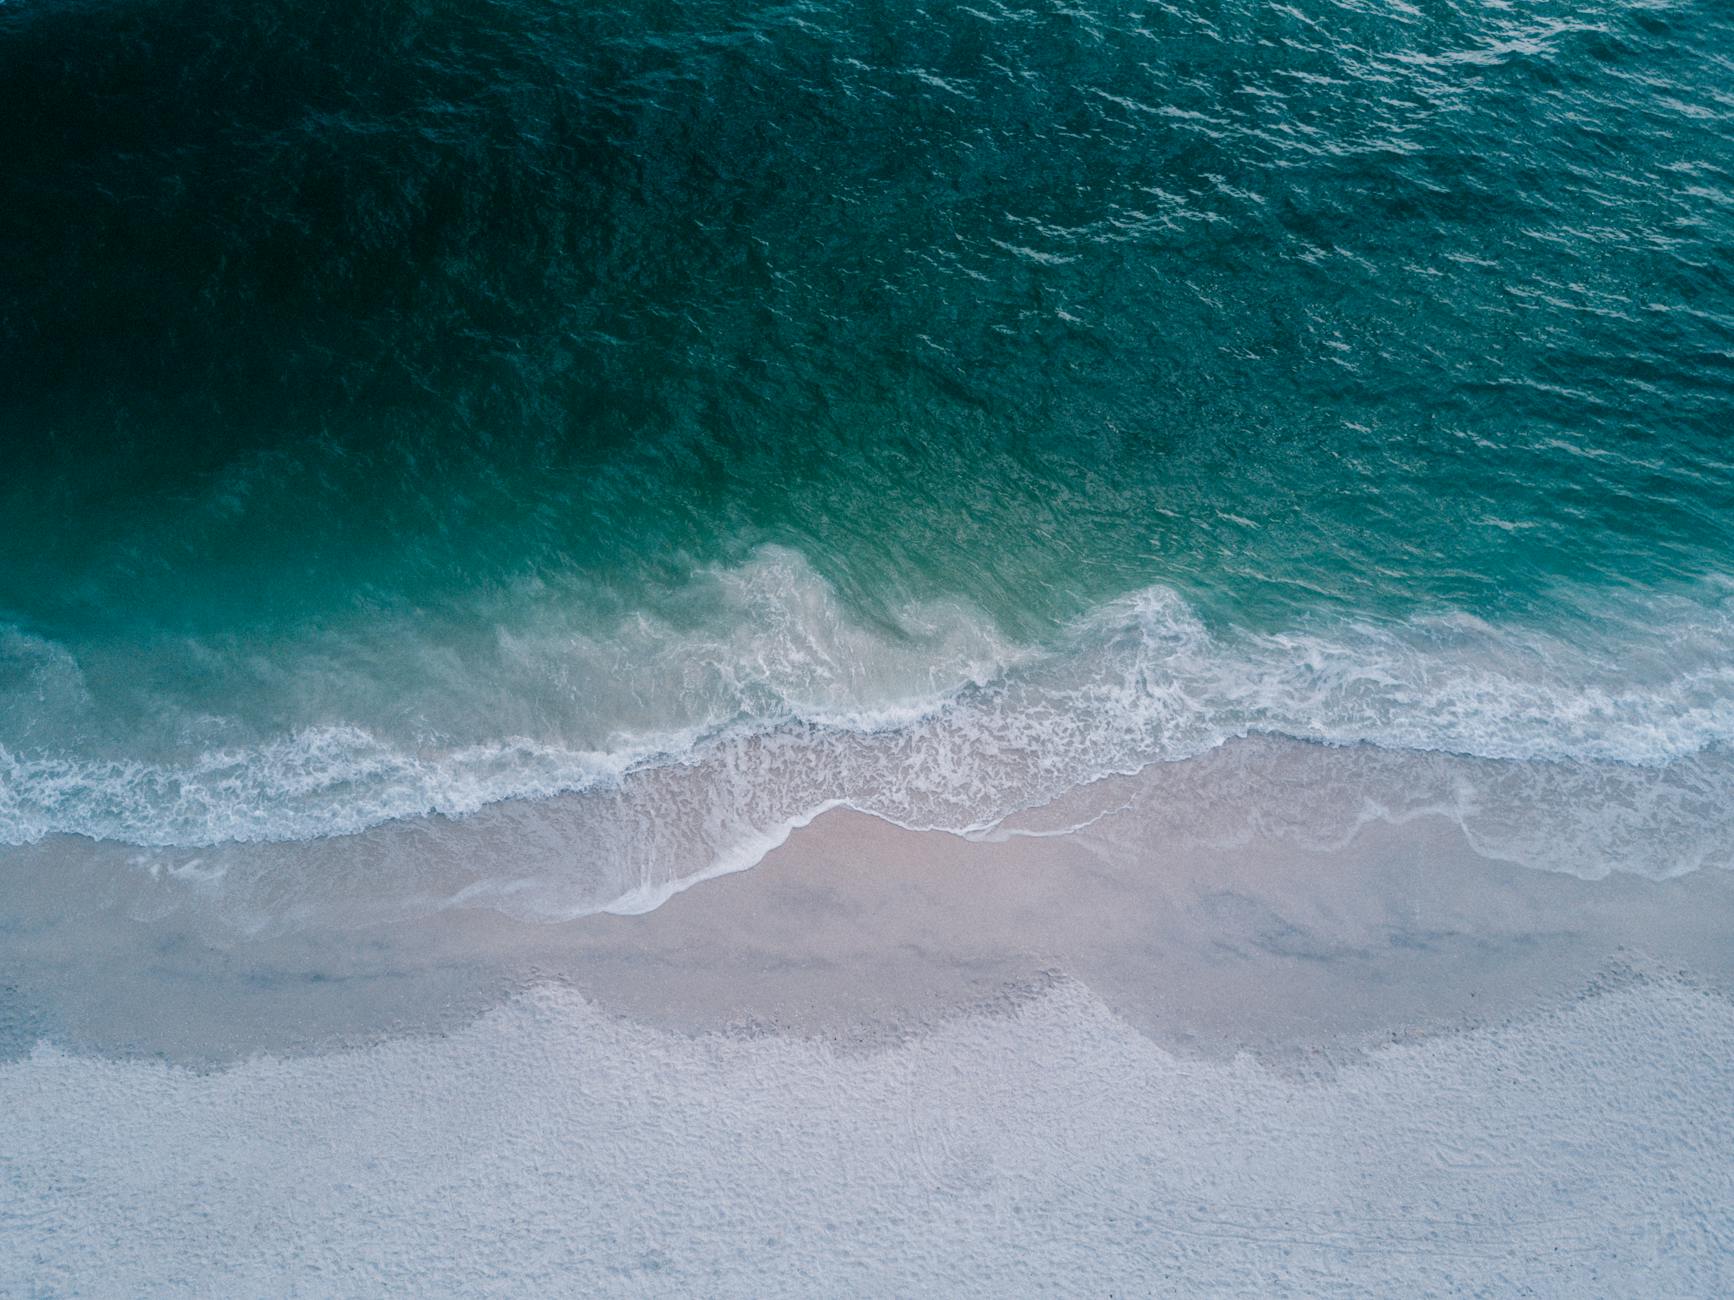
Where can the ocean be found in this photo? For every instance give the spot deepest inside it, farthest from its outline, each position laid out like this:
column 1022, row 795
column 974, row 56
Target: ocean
column 695, row 416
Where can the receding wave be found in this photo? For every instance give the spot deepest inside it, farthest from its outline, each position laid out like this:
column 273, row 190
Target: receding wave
column 777, row 702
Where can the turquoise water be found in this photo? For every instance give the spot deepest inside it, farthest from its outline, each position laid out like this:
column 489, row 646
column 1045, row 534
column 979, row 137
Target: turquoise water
column 413, row 406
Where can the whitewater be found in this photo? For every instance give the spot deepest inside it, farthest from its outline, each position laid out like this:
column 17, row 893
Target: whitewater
column 685, row 750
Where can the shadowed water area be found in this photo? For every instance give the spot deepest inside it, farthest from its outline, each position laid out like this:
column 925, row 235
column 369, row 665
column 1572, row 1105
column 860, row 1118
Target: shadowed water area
column 571, row 381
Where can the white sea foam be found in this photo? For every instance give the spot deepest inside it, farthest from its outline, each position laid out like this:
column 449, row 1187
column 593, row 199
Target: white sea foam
column 769, row 702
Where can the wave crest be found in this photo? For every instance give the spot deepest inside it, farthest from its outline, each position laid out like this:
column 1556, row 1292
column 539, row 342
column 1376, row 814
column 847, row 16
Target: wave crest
column 767, row 684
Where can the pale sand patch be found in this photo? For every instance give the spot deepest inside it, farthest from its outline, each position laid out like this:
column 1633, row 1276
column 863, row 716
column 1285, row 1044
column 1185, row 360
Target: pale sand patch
column 549, row 1149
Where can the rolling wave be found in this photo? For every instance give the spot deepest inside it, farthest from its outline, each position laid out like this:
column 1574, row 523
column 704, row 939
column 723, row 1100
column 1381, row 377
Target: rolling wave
column 932, row 719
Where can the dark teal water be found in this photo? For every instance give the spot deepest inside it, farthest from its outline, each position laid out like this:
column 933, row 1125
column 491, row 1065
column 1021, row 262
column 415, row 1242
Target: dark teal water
column 411, row 405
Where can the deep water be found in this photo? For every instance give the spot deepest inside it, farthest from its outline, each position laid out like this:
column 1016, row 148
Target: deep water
column 409, row 406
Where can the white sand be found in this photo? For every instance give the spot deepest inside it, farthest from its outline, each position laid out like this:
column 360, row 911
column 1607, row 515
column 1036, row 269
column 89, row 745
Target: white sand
column 549, row 1149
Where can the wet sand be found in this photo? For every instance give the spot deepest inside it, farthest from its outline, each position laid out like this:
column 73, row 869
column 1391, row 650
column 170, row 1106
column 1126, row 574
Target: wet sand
column 864, row 932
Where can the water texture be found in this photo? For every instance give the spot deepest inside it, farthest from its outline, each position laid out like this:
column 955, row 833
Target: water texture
column 413, row 406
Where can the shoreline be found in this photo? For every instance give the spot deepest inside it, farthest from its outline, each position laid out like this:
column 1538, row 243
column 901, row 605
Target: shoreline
column 857, row 929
